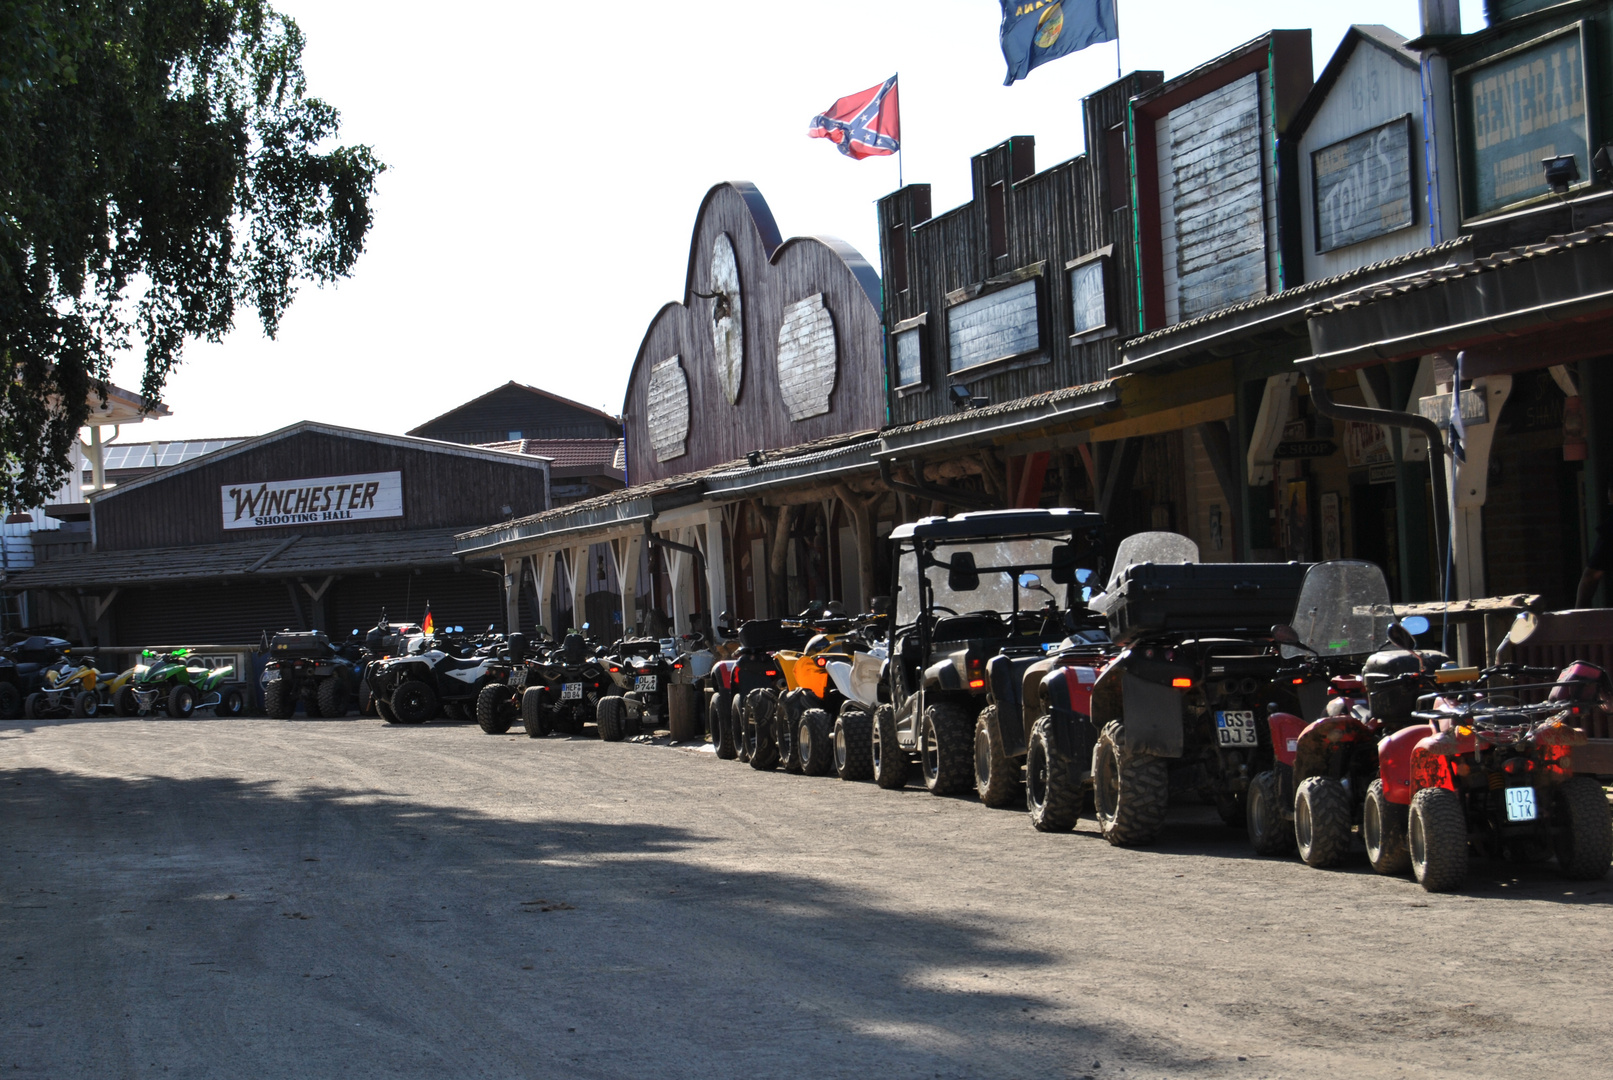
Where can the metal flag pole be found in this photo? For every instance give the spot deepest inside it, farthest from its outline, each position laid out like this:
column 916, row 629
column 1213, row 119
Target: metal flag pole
column 897, row 86
column 1118, row 73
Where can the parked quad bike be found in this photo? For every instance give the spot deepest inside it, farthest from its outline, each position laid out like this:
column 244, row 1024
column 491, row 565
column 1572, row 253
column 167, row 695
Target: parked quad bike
column 436, row 674
column 23, row 664
column 1326, row 752
column 642, row 670
column 305, row 667
column 1491, row 770
column 731, row 713
column 973, row 616
column 1183, row 705
column 168, row 682
column 71, row 688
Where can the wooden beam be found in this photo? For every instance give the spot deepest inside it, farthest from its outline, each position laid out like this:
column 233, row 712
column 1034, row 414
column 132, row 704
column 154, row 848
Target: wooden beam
column 104, row 602
column 1175, row 419
column 317, row 594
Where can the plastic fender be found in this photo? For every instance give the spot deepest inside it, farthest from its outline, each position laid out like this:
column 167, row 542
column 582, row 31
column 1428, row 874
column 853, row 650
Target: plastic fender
column 1394, row 762
column 809, row 676
column 1558, row 733
column 1430, row 767
column 724, row 672
column 1322, row 736
column 943, row 674
column 786, row 660
column 1285, row 732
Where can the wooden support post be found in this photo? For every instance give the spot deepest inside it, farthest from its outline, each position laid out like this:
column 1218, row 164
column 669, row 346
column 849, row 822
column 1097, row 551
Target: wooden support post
column 578, row 579
column 716, row 549
column 778, row 586
column 543, row 579
column 625, row 551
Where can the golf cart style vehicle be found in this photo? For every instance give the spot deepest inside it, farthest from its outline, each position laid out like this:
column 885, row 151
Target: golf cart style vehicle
column 1183, row 706
column 980, row 598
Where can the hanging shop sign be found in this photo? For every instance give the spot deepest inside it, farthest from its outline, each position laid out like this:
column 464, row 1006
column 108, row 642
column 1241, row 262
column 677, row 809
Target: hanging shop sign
column 317, row 501
column 1361, row 186
column 1515, row 111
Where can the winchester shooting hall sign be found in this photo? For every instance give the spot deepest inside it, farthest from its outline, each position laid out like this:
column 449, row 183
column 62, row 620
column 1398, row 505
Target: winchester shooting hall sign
column 318, row 501
column 1516, row 110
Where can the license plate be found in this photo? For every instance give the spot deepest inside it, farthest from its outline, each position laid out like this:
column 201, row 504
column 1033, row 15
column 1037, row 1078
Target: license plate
column 518, row 677
column 571, row 691
column 1236, row 727
column 1521, row 804
column 645, row 683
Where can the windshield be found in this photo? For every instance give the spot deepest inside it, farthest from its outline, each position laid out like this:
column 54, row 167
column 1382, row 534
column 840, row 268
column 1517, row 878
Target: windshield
column 1344, row 608
column 998, row 562
column 1151, row 547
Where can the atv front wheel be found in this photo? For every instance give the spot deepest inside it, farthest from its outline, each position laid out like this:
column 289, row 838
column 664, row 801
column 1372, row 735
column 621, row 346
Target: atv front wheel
column 383, row 709
column 1269, row 832
column 534, row 717
column 278, row 703
column 946, row 750
column 1322, row 821
column 853, row 744
column 611, row 715
column 414, row 701
column 786, row 721
column 86, row 704
column 124, row 703
column 1584, row 842
column 1131, row 789
column 230, row 703
column 33, row 706
column 182, row 701
column 1437, row 832
column 1383, row 830
column 814, row 745
column 720, row 727
column 890, row 760
column 996, row 777
column 1052, row 792
column 495, row 705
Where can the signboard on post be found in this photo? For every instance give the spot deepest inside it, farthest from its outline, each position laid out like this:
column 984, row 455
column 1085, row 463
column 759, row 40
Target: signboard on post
column 318, row 501
column 1517, row 109
column 1361, row 186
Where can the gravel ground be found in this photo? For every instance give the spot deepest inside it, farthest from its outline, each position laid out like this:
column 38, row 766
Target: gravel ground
column 233, row 898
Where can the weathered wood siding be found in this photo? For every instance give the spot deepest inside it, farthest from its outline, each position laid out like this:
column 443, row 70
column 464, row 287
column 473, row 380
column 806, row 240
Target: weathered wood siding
column 1373, row 87
column 1213, row 201
column 762, row 406
column 512, row 409
column 1049, row 218
column 1212, row 227
column 441, row 489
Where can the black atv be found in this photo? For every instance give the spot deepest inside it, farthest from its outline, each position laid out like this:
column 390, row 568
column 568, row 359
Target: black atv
column 641, row 670
column 565, row 688
column 972, row 615
column 23, row 665
column 305, row 667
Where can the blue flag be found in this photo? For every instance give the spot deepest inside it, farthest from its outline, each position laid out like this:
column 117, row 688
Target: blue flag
column 1036, row 31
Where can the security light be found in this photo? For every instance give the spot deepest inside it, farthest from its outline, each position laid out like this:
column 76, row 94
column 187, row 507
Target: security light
column 1602, row 165
column 963, row 398
column 754, row 458
column 1561, row 171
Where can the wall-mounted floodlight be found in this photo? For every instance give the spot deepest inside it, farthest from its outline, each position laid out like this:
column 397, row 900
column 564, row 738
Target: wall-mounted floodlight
column 1561, row 171
column 963, row 398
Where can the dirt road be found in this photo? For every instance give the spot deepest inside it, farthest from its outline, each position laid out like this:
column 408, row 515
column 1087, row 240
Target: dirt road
column 346, row 899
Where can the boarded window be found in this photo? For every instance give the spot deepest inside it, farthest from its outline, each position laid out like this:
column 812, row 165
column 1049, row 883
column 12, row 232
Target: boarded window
column 993, row 327
column 1118, row 167
column 1089, row 302
column 1212, row 207
column 896, row 246
column 997, row 219
column 909, row 358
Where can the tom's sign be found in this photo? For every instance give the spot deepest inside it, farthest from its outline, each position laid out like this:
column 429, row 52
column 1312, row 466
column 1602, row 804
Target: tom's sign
column 312, row 502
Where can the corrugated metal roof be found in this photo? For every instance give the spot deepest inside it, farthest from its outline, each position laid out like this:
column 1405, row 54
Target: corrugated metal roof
column 564, row 453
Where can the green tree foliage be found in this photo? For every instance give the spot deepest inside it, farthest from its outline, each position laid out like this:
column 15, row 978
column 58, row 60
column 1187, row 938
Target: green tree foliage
column 161, row 162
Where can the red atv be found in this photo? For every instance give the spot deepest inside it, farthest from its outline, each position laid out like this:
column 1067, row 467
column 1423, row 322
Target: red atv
column 1494, row 771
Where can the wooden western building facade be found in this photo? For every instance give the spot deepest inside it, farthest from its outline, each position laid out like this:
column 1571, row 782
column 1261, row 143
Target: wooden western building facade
column 312, row 526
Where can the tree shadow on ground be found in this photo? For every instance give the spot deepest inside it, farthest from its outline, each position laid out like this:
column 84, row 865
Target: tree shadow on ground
column 198, row 926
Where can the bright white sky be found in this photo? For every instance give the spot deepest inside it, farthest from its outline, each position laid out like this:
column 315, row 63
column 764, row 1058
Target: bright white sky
column 546, row 161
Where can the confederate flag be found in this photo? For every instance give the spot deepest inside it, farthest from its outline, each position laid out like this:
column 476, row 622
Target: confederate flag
column 863, row 125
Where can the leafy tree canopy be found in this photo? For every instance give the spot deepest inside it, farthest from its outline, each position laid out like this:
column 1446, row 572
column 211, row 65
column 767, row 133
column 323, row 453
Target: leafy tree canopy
column 160, row 162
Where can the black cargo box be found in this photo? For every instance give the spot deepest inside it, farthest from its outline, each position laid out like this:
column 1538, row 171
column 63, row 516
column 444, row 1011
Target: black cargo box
column 1204, row 598
column 288, row 643
column 768, row 635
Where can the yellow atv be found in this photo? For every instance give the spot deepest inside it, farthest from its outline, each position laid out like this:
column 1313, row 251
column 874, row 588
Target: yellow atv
column 71, row 688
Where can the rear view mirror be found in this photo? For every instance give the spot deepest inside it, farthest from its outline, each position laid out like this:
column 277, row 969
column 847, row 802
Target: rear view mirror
column 1063, row 570
column 1283, row 634
column 1415, row 625
column 962, row 575
column 1401, row 637
column 880, row 605
column 1029, row 581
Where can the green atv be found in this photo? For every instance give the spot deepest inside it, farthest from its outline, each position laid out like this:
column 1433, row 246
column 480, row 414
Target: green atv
column 168, row 682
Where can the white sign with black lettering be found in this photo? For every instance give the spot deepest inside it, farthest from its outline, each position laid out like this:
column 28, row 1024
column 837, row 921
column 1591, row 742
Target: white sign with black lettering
column 318, row 501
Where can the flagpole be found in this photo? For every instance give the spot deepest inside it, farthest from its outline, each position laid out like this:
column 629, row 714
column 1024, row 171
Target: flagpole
column 1118, row 73
column 899, row 184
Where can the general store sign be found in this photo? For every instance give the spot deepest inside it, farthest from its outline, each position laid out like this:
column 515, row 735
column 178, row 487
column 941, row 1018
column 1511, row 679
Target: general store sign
column 318, row 501
column 1518, row 109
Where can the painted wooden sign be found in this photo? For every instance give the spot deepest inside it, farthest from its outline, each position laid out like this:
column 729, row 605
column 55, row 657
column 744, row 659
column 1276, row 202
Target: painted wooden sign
column 993, row 327
column 1089, row 300
column 1518, row 109
column 1213, row 211
column 1361, row 187
column 727, row 318
column 317, row 501
column 910, row 357
column 806, row 358
column 668, row 409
